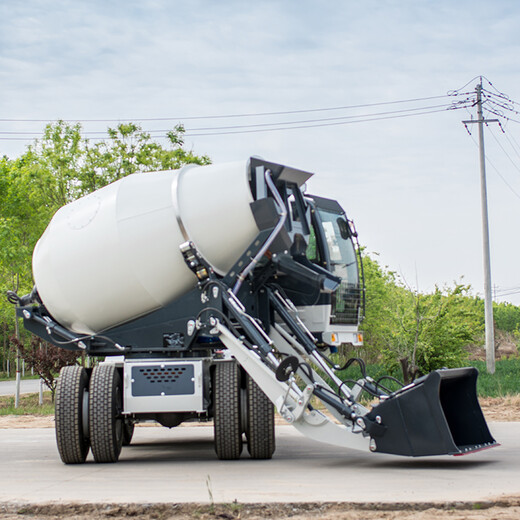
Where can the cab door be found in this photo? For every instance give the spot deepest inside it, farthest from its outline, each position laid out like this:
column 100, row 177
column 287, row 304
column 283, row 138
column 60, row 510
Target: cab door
column 332, row 246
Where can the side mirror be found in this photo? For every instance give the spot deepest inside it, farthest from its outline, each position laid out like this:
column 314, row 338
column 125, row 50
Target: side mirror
column 344, row 228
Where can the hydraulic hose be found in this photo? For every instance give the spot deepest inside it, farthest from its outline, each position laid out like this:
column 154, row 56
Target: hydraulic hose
column 283, row 216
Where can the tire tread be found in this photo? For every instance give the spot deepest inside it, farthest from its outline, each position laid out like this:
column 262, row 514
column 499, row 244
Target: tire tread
column 260, row 422
column 227, row 420
column 72, row 445
column 106, row 446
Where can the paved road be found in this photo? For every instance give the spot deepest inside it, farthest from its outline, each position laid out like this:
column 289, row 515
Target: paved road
column 28, row 386
column 179, row 465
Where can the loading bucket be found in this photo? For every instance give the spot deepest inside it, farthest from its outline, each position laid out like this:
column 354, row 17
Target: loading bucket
column 439, row 414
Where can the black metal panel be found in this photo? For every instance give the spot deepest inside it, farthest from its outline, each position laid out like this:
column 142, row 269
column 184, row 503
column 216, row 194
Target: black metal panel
column 34, row 320
column 152, row 380
column 265, row 213
column 266, row 217
column 327, row 204
column 281, row 172
column 246, row 257
column 152, row 329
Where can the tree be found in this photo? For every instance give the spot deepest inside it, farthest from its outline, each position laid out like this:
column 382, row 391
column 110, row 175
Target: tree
column 58, row 162
column 46, row 360
column 130, row 150
column 417, row 332
column 59, row 167
column 23, row 217
column 506, row 316
column 382, row 297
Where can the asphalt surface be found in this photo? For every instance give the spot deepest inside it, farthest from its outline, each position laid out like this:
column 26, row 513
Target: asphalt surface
column 180, row 465
column 27, row 386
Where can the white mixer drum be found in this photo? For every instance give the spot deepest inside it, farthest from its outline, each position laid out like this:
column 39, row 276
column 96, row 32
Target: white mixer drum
column 113, row 255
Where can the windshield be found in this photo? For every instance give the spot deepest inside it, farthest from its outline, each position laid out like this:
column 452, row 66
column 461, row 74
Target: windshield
column 341, row 248
column 346, row 301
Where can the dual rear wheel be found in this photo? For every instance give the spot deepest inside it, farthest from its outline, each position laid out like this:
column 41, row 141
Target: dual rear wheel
column 89, row 414
column 240, row 406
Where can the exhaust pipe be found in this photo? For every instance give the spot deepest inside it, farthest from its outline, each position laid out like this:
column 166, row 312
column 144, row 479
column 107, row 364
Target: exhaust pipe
column 438, row 414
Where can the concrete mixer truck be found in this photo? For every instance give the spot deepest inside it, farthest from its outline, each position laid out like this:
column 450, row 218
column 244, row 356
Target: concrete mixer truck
column 214, row 293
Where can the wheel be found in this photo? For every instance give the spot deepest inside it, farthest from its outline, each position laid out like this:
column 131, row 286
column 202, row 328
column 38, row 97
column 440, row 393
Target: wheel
column 226, row 421
column 260, row 422
column 71, row 393
column 105, row 417
column 128, row 432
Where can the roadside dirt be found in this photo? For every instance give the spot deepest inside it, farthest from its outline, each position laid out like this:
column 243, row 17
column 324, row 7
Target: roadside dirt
column 503, row 508
column 499, row 409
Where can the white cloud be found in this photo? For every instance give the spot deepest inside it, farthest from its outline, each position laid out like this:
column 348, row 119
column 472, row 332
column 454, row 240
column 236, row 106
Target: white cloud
column 411, row 184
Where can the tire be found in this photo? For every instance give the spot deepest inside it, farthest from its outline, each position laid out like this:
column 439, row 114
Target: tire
column 260, row 422
column 128, row 432
column 73, row 444
column 227, row 422
column 105, row 413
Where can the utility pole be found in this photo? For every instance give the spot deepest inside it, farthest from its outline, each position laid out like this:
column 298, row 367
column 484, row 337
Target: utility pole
column 17, row 334
column 488, row 301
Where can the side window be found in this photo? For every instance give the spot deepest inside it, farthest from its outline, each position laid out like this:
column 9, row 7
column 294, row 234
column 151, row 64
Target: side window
column 313, row 253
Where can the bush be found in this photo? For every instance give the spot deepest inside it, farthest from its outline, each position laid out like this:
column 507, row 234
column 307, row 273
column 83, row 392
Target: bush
column 46, row 359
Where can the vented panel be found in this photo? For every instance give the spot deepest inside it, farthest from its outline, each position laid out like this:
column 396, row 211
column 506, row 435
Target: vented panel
column 151, row 380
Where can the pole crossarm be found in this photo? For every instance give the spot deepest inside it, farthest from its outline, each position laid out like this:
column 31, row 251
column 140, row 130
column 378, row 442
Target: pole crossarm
column 481, row 121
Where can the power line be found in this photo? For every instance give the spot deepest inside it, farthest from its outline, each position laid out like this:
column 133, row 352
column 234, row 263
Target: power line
column 497, row 171
column 505, row 103
column 274, row 124
column 500, row 291
column 504, row 150
column 456, row 91
column 505, row 107
column 365, row 120
column 501, row 115
column 506, row 293
column 514, row 144
column 270, row 127
column 503, row 97
column 223, row 116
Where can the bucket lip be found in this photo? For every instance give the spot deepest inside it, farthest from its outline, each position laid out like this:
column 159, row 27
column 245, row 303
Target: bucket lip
column 442, row 373
column 477, row 448
column 456, row 372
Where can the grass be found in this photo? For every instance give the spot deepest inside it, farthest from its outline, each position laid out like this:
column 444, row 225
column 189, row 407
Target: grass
column 28, row 405
column 12, row 377
column 505, row 381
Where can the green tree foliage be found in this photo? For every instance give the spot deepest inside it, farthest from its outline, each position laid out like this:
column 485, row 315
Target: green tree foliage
column 58, row 162
column 382, row 296
column 46, row 360
column 130, row 150
column 23, row 217
column 59, row 167
column 506, row 316
column 418, row 332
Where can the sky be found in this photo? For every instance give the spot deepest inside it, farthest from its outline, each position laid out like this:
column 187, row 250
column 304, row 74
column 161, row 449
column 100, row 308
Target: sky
column 411, row 184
